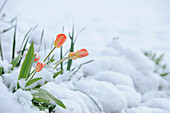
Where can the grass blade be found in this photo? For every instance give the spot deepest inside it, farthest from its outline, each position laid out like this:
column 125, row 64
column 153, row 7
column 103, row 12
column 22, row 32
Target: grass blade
column 82, row 65
column 5, row 30
column 79, row 34
column 42, row 35
column 164, row 74
column 25, row 37
column 24, row 48
column 61, row 57
column 90, row 98
column 14, row 41
column 1, row 51
column 58, row 73
column 71, row 48
column 3, row 6
column 32, row 81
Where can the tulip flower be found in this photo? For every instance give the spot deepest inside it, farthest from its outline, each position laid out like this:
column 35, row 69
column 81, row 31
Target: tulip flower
column 81, row 53
column 71, row 55
column 61, row 38
column 39, row 66
column 37, row 56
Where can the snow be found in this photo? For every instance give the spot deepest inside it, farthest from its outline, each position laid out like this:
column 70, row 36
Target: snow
column 105, row 93
column 64, row 93
column 133, row 98
column 121, row 79
column 155, row 94
column 114, row 78
column 6, row 66
column 145, row 110
column 10, row 80
column 17, row 102
column 160, row 103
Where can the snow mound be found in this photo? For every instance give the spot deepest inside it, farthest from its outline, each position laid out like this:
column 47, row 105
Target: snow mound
column 105, row 93
column 64, row 93
column 133, row 98
column 114, row 78
column 144, row 109
column 18, row 102
column 156, row 94
column 161, row 103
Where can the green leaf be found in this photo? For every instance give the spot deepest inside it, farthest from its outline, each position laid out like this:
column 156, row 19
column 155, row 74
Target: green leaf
column 32, row 81
column 27, row 64
column 41, row 100
column 15, row 61
column 71, row 49
column 42, row 93
column 164, row 74
column 56, row 74
column 1, row 71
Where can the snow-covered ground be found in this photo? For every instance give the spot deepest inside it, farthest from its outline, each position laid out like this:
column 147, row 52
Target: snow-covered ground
column 120, row 79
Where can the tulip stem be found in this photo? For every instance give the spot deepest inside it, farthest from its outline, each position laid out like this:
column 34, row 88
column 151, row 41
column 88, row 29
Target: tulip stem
column 60, row 61
column 49, row 54
column 32, row 75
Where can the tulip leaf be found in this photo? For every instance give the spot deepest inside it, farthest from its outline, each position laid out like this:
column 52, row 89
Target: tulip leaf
column 32, row 81
column 43, row 94
column 15, row 61
column 27, row 64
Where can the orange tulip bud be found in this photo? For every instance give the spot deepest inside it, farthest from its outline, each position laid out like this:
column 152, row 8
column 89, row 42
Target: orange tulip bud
column 72, row 55
column 81, row 53
column 39, row 66
column 61, row 38
column 37, row 56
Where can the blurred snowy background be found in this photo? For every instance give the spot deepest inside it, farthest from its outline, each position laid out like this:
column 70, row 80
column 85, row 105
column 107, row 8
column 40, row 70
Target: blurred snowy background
column 141, row 24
